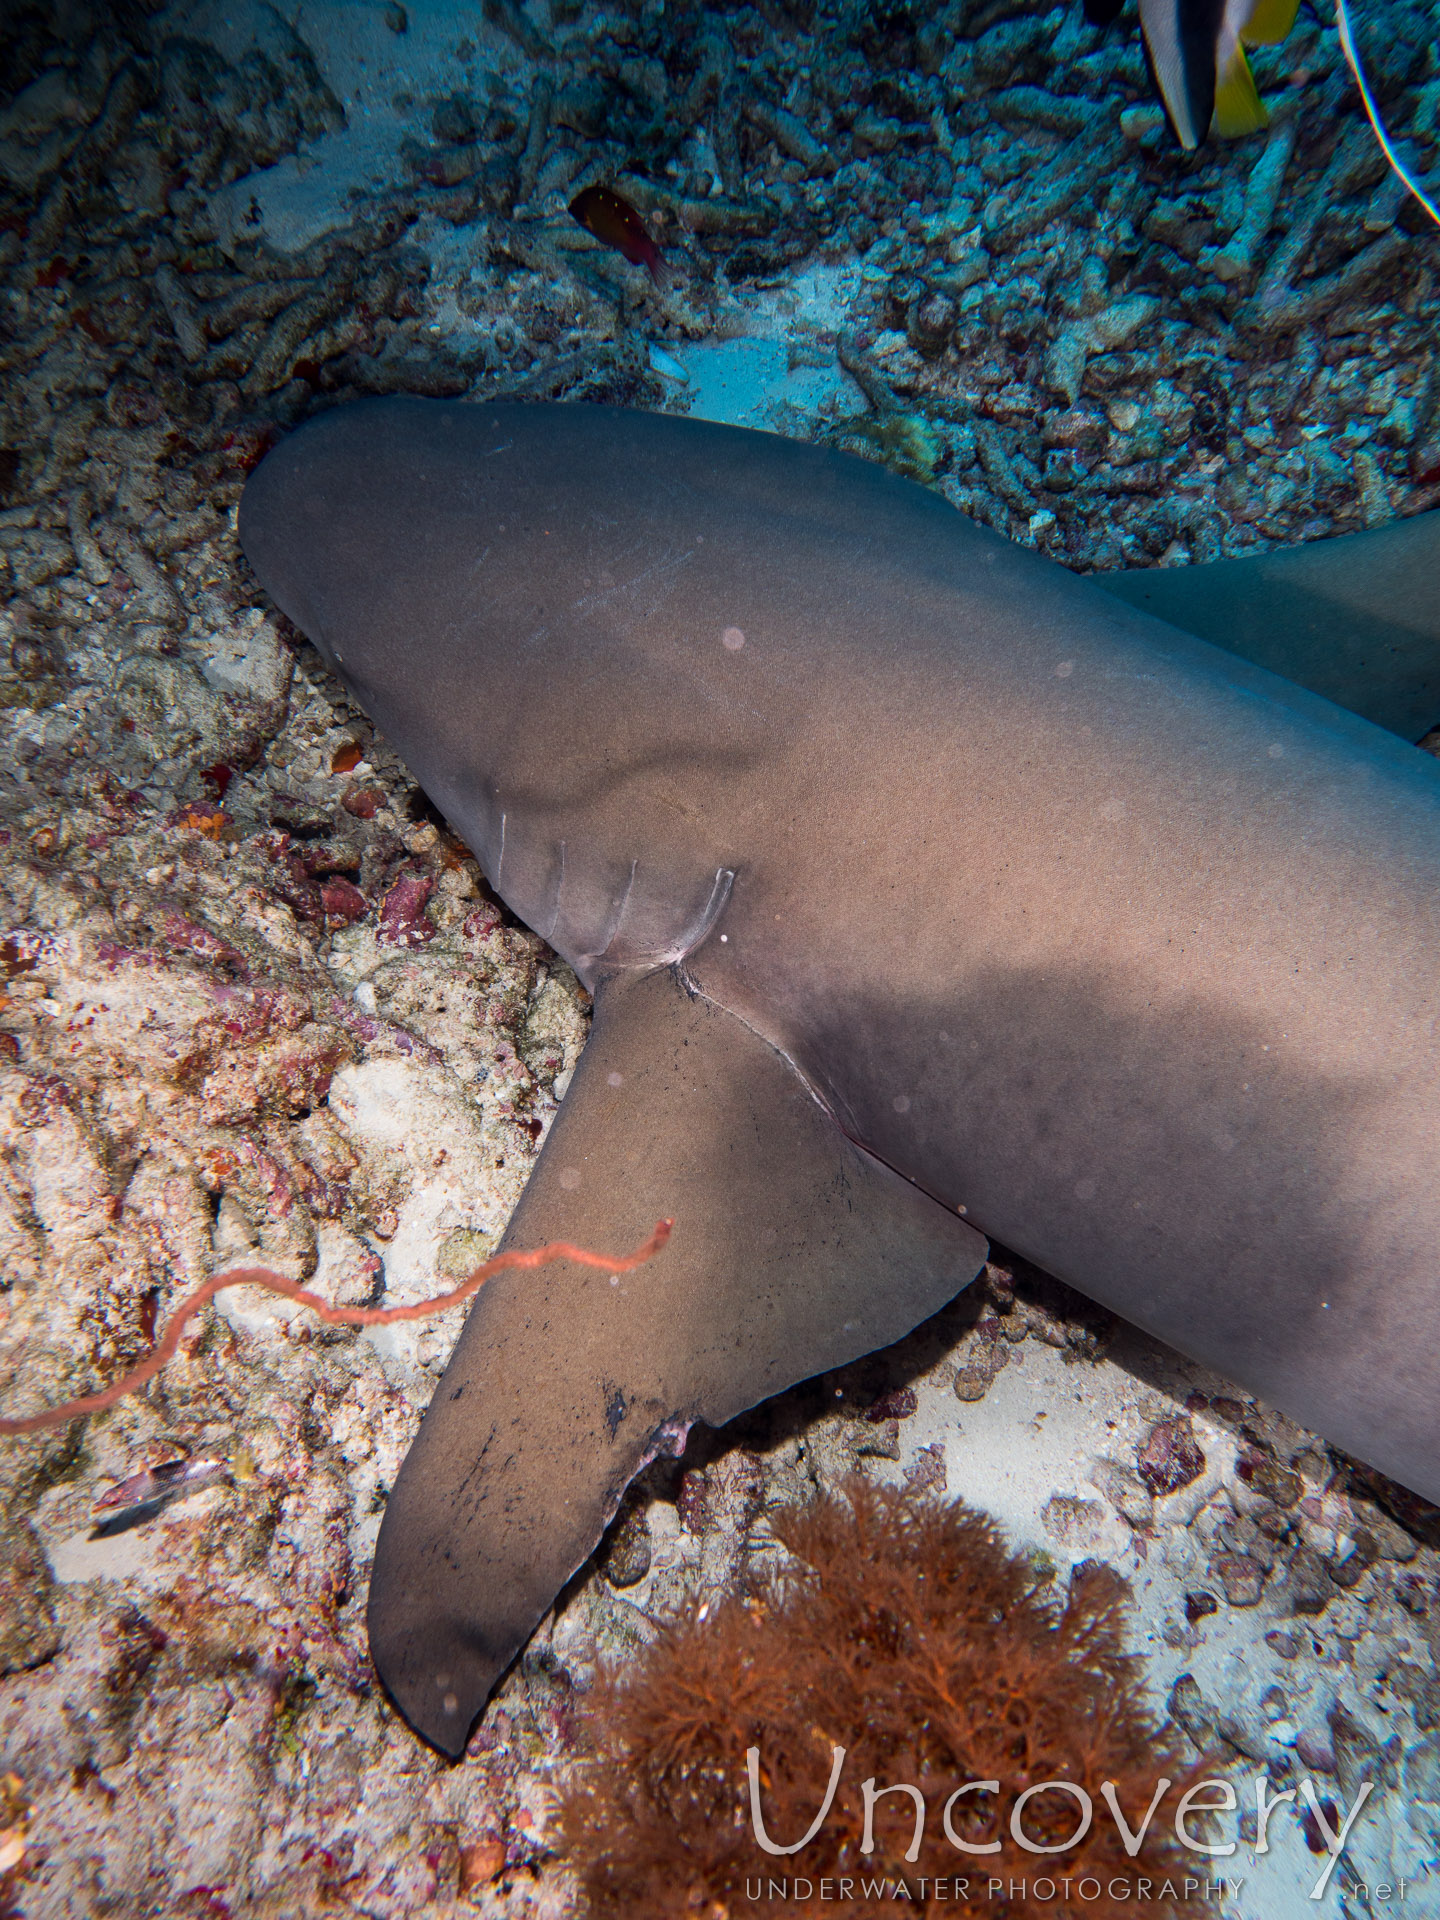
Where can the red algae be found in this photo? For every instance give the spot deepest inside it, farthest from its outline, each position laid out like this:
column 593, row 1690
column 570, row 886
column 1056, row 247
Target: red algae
column 908, row 1646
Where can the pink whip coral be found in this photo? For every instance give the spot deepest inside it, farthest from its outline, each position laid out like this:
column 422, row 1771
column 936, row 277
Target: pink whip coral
column 333, row 1316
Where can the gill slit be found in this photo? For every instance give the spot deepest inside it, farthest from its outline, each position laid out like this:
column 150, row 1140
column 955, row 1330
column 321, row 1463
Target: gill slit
column 559, row 896
column 714, row 907
column 613, row 931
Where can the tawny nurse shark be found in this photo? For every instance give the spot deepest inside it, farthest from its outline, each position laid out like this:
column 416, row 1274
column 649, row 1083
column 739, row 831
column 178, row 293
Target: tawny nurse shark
column 926, row 891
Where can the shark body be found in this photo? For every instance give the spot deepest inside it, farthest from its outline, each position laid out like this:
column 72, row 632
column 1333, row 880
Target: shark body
column 926, row 892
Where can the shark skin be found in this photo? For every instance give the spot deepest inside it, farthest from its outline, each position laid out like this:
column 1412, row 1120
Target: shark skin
column 926, row 891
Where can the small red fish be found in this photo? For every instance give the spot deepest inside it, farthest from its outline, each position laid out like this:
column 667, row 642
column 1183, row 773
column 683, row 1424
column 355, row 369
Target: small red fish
column 610, row 218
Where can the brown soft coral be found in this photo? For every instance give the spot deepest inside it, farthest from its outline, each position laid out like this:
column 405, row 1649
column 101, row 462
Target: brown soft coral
column 910, row 1637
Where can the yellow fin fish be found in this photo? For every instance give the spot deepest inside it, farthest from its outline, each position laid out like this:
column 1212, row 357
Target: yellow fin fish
column 1196, row 50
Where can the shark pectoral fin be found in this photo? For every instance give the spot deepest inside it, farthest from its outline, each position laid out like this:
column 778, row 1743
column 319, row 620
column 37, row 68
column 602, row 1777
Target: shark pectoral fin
column 793, row 1251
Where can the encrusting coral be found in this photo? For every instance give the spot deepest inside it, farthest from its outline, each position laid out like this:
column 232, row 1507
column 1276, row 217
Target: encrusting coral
column 904, row 1632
